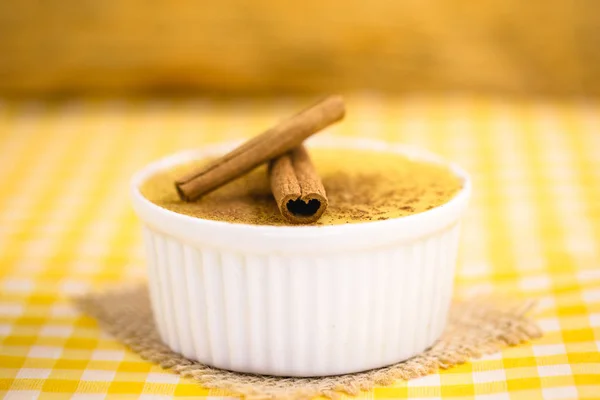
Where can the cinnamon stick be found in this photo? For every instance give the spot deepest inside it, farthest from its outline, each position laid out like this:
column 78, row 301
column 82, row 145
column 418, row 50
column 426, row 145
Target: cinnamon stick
column 272, row 143
column 297, row 188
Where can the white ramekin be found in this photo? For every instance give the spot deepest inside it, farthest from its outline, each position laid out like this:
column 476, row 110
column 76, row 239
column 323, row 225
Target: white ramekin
column 300, row 300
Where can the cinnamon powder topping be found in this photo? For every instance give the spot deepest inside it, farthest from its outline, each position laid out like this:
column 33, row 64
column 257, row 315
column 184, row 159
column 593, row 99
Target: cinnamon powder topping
column 361, row 186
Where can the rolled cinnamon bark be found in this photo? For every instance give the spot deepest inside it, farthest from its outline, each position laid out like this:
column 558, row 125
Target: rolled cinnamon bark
column 297, row 187
column 272, row 143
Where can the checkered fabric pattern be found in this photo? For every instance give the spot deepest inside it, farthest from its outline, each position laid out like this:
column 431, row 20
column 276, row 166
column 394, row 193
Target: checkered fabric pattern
column 66, row 227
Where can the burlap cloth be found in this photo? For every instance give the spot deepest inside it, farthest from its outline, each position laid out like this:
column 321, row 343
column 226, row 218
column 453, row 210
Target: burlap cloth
column 475, row 327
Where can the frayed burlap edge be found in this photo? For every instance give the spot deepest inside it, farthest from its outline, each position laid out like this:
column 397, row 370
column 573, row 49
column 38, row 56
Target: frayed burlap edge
column 475, row 327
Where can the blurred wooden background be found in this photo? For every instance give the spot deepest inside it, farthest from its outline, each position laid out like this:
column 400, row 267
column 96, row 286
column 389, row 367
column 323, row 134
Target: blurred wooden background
column 263, row 46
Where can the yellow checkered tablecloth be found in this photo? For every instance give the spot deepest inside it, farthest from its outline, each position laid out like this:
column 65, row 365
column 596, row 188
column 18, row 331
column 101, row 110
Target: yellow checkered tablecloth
column 66, row 227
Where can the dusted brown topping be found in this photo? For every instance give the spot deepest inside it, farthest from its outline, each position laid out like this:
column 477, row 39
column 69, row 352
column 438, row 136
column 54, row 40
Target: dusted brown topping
column 361, row 186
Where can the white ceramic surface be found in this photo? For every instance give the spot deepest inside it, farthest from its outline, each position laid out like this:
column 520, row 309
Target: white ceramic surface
column 301, row 300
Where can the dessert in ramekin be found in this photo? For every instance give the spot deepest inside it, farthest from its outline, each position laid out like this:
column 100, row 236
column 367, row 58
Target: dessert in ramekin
column 262, row 297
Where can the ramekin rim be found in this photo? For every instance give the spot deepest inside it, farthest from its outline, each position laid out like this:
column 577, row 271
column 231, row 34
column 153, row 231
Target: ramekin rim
column 300, row 230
